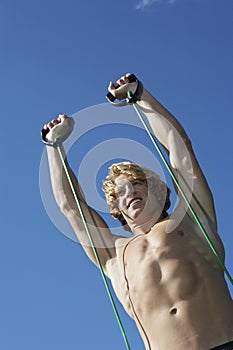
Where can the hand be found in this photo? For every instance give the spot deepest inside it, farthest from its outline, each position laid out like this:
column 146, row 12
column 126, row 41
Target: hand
column 57, row 130
column 120, row 88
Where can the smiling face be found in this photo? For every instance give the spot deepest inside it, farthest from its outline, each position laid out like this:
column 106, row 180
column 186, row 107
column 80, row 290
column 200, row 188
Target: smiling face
column 135, row 194
column 131, row 196
column 136, row 203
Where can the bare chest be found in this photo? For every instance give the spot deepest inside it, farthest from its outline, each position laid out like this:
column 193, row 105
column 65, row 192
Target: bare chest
column 161, row 260
column 159, row 266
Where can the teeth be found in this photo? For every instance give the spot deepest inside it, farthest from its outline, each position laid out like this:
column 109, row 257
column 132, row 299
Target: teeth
column 135, row 201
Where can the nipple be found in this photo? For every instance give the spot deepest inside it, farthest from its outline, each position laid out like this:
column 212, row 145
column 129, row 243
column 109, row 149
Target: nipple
column 180, row 233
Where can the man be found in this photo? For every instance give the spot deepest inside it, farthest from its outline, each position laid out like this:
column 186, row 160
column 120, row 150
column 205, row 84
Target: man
column 166, row 275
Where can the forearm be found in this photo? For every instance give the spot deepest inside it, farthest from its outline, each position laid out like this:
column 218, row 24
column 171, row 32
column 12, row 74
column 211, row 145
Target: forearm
column 60, row 184
column 166, row 128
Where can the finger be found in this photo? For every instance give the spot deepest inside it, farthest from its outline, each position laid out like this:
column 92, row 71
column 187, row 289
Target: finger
column 127, row 76
column 62, row 117
column 122, row 81
column 50, row 125
column 113, row 85
column 126, row 80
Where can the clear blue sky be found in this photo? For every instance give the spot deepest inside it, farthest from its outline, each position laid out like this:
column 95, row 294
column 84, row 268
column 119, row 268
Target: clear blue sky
column 58, row 56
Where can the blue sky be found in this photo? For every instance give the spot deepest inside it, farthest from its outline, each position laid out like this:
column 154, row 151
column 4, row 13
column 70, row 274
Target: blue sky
column 59, row 56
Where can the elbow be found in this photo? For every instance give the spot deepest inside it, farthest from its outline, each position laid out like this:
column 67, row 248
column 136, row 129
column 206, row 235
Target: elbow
column 65, row 208
column 63, row 205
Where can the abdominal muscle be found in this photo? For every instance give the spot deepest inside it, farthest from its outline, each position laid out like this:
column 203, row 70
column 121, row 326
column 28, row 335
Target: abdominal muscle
column 171, row 291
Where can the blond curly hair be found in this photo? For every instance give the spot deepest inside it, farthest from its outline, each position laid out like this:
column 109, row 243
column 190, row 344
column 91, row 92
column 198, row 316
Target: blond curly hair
column 151, row 179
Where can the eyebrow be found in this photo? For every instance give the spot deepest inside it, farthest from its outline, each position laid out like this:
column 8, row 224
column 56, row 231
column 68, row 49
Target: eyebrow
column 121, row 186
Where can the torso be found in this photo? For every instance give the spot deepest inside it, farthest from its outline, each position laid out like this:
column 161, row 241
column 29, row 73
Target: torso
column 171, row 284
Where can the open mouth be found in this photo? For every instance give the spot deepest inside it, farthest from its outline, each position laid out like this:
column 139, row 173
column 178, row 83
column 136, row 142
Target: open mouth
column 134, row 201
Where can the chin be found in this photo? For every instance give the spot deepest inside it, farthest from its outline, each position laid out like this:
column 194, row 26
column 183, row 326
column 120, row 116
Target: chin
column 136, row 213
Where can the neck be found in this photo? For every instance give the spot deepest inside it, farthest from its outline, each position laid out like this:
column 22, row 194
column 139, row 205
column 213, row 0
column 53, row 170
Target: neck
column 144, row 228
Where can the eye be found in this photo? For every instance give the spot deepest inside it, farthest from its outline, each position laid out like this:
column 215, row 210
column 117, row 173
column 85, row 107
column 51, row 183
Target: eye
column 137, row 182
column 120, row 192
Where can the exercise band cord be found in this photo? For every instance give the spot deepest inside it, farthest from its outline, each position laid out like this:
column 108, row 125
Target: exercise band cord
column 192, row 211
column 93, row 248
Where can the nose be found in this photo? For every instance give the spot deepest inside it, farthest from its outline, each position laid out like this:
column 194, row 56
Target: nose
column 129, row 189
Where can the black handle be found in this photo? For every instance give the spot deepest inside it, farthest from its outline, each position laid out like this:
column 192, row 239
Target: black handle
column 132, row 78
column 44, row 132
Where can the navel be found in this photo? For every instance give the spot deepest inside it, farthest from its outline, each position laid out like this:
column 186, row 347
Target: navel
column 173, row 311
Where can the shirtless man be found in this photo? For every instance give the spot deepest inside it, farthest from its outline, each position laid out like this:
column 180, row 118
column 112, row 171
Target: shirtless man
column 165, row 275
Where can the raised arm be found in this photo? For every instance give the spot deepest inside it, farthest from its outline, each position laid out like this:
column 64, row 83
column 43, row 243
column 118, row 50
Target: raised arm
column 174, row 139
column 103, row 239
